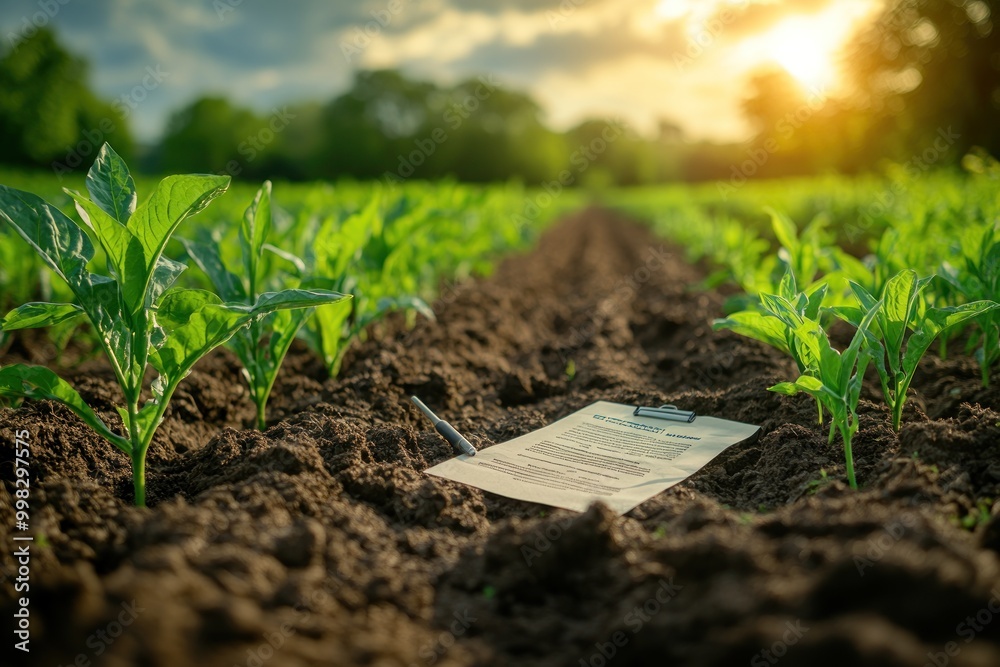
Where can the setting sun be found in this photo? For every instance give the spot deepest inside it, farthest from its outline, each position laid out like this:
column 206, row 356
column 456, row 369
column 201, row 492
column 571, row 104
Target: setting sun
column 807, row 49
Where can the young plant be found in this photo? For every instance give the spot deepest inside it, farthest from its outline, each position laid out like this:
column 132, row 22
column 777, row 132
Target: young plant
column 352, row 257
column 979, row 279
column 261, row 346
column 904, row 311
column 836, row 381
column 778, row 321
column 139, row 320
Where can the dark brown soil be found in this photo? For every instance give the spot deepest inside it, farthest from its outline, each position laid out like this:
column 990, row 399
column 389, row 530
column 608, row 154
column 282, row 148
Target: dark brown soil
column 322, row 542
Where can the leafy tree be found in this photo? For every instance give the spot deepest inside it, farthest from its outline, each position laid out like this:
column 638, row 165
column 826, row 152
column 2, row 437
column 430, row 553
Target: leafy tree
column 377, row 120
column 47, row 110
column 211, row 134
column 930, row 64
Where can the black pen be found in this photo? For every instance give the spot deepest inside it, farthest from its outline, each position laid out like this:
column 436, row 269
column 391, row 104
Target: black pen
column 458, row 442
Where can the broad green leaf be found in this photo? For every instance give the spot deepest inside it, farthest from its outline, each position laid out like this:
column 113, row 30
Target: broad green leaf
column 816, row 295
column 338, row 245
column 808, row 383
column 386, row 305
column 937, row 321
column 111, row 186
column 146, row 420
column 300, row 266
column 784, row 230
column 254, row 232
column 165, row 274
column 207, row 257
column 787, row 288
column 856, row 382
column 850, row 314
column 897, row 305
column 851, row 356
column 154, row 222
column 804, row 383
column 177, row 307
column 865, row 299
column 37, row 315
column 200, row 329
column 40, row 383
column 290, row 298
column 61, row 243
column 786, row 388
column 205, row 329
column 765, row 328
column 808, row 340
column 100, row 297
column 112, row 236
column 782, row 309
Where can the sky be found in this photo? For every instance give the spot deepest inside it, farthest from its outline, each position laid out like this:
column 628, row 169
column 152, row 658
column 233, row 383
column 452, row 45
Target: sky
column 687, row 61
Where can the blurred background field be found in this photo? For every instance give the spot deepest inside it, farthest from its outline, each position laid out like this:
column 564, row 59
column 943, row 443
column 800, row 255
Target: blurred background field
column 658, row 91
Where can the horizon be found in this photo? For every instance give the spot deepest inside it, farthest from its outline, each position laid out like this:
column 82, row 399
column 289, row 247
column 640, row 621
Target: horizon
column 580, row 59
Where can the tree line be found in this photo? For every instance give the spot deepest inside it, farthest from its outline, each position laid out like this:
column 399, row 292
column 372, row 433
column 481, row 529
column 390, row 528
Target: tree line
column 925, row 89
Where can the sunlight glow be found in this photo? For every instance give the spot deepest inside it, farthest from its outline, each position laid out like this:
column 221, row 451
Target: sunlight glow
column 671, row 10
column 807, row 49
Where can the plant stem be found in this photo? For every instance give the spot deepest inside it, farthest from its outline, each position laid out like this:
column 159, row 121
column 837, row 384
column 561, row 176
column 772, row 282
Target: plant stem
column 261, row 418
column 845, row 433
column 897, row 413
column 138, row 454
column 819, row 406
column 139, row 477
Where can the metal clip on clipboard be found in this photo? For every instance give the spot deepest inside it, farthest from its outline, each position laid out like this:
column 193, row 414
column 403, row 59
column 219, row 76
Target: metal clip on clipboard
column 665, row 412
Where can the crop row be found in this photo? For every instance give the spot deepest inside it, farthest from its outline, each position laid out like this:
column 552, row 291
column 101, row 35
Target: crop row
column 929, row 271
column 335, row 263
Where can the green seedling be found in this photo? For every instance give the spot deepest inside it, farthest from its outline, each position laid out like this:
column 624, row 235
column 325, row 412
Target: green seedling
column 140, row 321
column 837, row 381
column 262, row 345
column 801, row 253
column 903, row 330
column 350, row 257
column 776, row 324
column 978, row 280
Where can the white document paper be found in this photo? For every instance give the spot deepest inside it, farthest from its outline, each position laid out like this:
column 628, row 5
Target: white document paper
column 601, row 452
